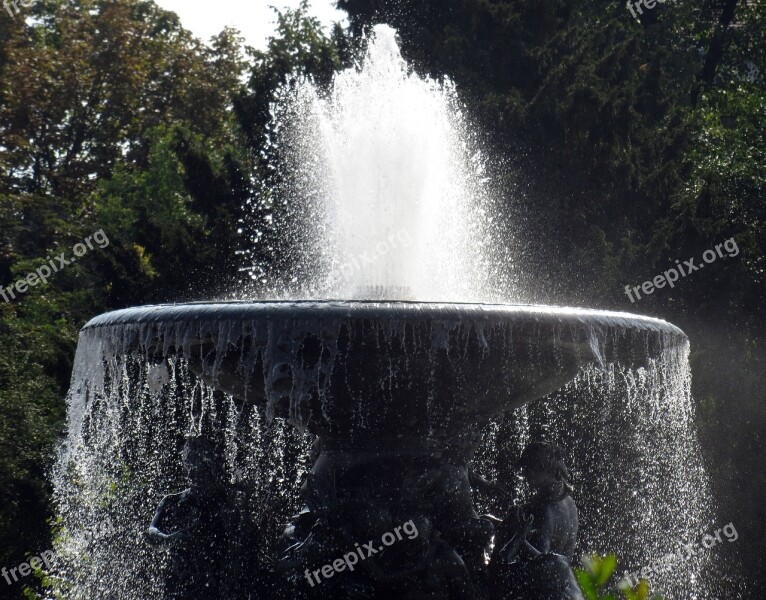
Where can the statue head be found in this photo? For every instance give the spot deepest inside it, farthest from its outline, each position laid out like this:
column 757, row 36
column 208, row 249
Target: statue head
column 204, row 463
column 542, row 464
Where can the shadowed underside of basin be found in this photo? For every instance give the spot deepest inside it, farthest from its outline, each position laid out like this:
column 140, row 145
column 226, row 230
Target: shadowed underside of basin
column 397, row 394
column 371, row 373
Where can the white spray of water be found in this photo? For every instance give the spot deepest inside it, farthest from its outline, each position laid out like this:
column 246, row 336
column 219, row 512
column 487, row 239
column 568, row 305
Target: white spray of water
column 387, row 194
column 639, row 477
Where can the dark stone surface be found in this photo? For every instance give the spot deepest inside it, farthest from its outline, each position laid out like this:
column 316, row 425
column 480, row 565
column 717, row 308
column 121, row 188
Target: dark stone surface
column 397, row 394
column 535, row 545
column 377, row 375
column 195, row 522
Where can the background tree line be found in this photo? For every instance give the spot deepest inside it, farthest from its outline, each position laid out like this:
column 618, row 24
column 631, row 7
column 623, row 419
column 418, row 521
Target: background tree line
column 636, row 143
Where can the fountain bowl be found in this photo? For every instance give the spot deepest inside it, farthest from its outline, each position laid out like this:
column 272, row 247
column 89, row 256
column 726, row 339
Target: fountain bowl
column 381, row 374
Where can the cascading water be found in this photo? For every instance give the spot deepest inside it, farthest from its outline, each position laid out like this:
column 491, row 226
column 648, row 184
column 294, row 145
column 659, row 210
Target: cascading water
column 640, row 481
column 387, row 200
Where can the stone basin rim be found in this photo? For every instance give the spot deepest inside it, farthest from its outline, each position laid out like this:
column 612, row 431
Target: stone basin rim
column 381, row 310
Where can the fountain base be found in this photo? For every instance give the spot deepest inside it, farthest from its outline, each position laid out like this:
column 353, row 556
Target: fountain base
column 397, row 395
column 404, row 518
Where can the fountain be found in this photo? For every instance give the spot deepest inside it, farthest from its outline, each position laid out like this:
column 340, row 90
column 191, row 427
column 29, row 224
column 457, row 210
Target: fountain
column 312, row 426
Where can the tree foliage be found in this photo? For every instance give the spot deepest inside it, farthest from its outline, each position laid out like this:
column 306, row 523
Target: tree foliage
column 596, row 574
column 112, row 117
column 638, row 141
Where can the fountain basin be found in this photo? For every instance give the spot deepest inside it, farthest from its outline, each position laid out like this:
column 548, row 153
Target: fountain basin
column 397, row 395
column 373, row 375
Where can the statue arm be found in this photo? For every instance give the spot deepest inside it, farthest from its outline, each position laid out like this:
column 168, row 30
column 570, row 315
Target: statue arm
column 531, row 551
column 539, row 541
column 520, row 526
column 485, row 485
column 155, row 533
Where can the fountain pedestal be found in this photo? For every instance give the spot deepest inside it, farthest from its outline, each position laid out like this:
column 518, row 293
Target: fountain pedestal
column 397, row 395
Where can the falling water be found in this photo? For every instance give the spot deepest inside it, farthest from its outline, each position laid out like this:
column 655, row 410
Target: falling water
column 128, row 420
column 638, row 474
column 384, row 195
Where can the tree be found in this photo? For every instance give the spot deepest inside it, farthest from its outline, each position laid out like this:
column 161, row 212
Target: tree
column 112, row 118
